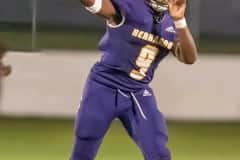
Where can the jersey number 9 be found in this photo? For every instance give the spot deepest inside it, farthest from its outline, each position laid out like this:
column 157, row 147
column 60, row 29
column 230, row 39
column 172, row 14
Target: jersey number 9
column 146, row 57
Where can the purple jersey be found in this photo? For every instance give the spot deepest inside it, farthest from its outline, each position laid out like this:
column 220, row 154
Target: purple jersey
column 133, row 49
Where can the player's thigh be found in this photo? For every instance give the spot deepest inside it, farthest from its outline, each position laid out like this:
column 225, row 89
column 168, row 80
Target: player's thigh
column 93, row 119
column 150, row 133
column 96, row 110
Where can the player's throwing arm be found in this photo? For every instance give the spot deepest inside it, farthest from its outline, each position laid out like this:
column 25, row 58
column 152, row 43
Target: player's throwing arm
column 103, row 8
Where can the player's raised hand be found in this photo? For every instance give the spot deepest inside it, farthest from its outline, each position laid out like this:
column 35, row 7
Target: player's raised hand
column 177, row 8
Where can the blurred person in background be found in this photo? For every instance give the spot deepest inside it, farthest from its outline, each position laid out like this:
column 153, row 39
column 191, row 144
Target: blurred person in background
column 5, row 70
column 140, row 33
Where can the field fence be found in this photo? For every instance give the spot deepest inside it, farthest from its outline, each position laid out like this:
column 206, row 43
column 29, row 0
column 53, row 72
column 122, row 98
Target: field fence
column 47, row 84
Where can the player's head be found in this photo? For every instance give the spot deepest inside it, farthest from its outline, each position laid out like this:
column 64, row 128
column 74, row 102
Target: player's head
column 158, row 6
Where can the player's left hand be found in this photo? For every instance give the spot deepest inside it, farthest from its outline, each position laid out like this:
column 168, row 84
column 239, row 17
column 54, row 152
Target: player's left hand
column 177, row 8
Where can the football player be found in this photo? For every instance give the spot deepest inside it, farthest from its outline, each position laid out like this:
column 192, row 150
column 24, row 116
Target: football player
column 5, row 70
column 140, row 33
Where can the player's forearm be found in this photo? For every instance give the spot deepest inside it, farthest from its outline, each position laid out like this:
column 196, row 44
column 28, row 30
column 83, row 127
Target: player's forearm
column 188, row 47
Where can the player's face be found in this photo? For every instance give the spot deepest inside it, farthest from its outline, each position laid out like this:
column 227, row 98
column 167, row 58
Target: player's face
column 159, row 5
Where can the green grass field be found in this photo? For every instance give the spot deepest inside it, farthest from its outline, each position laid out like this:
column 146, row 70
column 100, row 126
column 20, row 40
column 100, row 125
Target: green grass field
column 39, row 139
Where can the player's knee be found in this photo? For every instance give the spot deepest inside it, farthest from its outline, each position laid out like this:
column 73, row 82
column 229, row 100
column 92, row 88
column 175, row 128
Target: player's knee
column 88, row 128
column 162, row 153
column 85, row 148
column 86, row 132
column 81, row 157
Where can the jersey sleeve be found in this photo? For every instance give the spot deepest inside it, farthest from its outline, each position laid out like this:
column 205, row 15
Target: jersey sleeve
column 168, row 29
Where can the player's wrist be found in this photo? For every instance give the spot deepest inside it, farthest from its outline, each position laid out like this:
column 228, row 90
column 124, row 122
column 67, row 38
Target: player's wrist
column 96, row 7
column 180, row 23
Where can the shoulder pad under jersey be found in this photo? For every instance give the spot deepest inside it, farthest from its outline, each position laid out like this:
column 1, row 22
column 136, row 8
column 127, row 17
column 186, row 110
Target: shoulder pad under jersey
column 129, row 8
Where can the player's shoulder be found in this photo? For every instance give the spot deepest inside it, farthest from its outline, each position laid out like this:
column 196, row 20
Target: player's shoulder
column 130, row 8
column 127, row 3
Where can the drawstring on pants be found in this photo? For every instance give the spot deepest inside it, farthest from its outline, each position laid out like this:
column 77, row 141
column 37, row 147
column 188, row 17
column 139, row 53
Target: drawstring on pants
column 138, row 106
column 136, row 102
